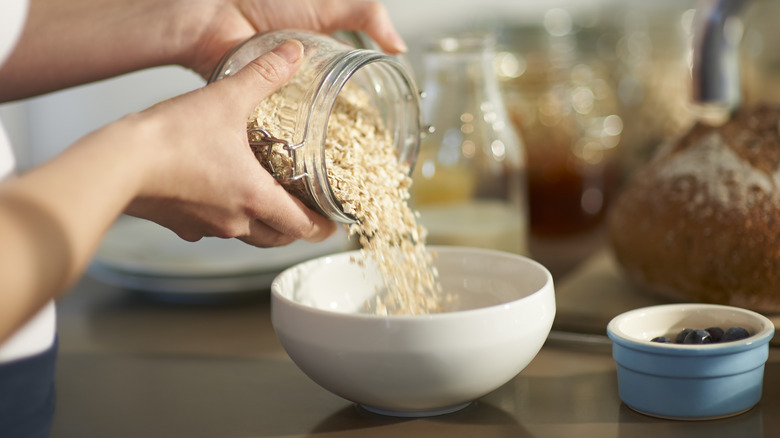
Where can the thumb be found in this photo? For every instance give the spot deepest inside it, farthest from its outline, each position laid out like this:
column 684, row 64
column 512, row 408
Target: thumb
column 261, row 77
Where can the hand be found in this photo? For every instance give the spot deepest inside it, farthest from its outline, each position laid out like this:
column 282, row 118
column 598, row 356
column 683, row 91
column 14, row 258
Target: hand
column 209, row 183
column 184, row 163
column 72, row 42
column 236, row 21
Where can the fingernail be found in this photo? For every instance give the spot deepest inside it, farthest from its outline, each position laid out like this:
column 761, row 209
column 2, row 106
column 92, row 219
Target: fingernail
column 291, row 50
column 401, row 46
column 398, row 44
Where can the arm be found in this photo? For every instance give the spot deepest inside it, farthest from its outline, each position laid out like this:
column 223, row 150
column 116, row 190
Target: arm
column 184, row 163
column 71, row 42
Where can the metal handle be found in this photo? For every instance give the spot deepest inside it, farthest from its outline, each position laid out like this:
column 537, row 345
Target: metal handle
column 261, row 138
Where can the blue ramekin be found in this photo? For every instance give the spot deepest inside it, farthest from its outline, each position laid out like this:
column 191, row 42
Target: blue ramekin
column 690, row 382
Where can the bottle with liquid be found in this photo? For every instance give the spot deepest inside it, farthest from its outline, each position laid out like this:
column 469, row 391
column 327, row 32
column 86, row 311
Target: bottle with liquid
column 469, row 183
column 561, row 98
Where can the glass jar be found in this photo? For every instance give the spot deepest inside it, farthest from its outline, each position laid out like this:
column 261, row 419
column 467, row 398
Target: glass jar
column 470, row 182
column 293, row 151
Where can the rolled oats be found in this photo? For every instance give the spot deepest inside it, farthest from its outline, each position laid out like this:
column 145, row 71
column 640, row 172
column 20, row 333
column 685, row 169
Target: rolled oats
column 372, row 185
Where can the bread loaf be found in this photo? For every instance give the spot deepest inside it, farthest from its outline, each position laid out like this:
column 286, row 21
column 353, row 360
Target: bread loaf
column 701, row 221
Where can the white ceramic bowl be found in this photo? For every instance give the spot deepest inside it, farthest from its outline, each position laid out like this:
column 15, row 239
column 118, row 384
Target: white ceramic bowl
column 692, row 382
column 414, row 365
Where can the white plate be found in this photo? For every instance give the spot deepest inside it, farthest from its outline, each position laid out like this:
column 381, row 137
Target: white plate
column 143, row 247
column 184, row 289
column 142, row 255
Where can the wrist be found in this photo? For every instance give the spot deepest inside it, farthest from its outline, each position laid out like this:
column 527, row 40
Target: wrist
column 144, row 152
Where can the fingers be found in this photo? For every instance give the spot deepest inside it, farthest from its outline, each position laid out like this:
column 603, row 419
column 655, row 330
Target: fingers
column 370, row 17
column 261, row 77
column 265, row 236
column 286, row 214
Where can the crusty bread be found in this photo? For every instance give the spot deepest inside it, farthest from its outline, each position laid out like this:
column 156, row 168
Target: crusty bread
column 701, row 221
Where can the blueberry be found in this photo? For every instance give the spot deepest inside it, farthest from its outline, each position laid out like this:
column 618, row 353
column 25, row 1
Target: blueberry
column 735, row 334
column 661, row 339
column 698, row 337
column 716, row 333
column 681, row 336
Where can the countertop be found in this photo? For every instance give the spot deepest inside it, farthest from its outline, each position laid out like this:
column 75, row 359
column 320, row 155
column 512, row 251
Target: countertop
column 131, row 366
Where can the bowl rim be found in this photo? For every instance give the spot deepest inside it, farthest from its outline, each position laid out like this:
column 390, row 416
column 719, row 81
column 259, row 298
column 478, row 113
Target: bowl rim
column 277, row 295
column 617, row 335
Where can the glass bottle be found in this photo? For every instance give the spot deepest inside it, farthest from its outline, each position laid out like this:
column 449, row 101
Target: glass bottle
column 295, row 153
column 469, row 184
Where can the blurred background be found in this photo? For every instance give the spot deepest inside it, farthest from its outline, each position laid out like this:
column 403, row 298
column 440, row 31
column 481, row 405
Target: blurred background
column 592, row 88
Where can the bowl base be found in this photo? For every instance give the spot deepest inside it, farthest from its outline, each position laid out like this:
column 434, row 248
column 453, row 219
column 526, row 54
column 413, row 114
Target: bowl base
column 412, row 414
column 671, row 417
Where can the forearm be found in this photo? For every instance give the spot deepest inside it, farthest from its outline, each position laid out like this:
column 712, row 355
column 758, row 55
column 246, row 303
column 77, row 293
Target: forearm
column 71, row 42
column 52, row 220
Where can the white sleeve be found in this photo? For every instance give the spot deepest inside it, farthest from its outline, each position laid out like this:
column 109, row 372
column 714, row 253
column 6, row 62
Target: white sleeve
column 37, row 335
